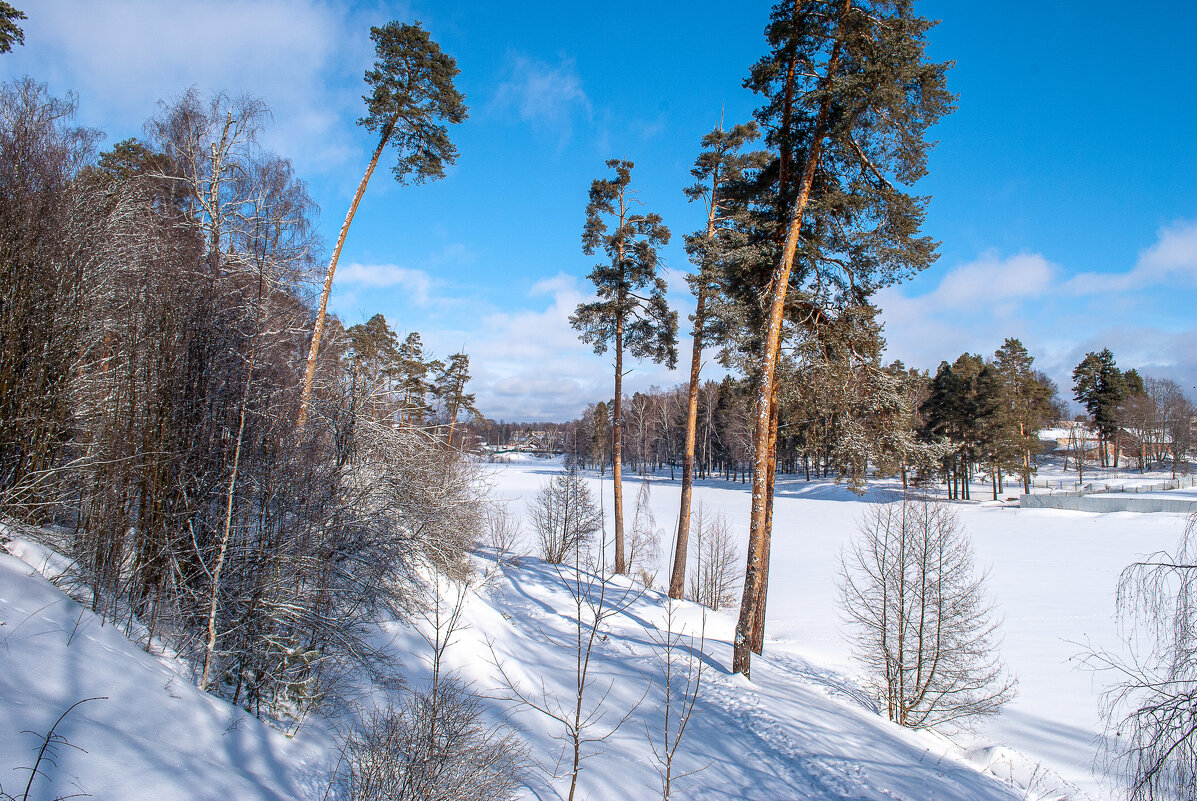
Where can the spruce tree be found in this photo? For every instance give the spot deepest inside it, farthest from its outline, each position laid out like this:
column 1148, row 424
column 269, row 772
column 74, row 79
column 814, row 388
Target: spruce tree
column 1100, row 387
column 412, row 97
column 9, row 30
column 849, row 96
column 630, row 314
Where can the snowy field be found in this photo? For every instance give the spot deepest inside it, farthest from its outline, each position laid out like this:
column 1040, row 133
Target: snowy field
column 1052, row 574
column 802, row 729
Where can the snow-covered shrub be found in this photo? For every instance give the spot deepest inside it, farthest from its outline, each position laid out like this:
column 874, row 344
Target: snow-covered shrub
column 434, row 745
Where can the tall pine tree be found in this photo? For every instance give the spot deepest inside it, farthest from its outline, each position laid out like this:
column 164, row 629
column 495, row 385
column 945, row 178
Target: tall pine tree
column 720, row 164
column 849, row 98
column 412, row 97
column 630, row 314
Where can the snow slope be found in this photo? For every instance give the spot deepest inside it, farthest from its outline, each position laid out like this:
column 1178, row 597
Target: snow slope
column 155, row 736
column 802, row 729
column 1052, row 574
column 798, row 731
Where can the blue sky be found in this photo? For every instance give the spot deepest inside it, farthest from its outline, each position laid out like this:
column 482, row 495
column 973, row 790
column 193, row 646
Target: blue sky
column 1063, row 187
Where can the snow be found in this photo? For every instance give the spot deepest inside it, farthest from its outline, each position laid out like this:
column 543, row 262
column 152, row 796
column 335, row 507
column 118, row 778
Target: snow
column 1052, row 574
column 802, row 728
column 154, row 736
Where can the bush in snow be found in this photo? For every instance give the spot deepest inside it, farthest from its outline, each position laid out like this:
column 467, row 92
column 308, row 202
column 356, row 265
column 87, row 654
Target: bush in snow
column 434, row 745
column 925, row 628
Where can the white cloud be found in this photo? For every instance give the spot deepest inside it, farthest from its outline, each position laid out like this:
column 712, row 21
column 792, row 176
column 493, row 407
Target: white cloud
column 416, row 282
column 1172, row 259
column 528, row 363
column 976, row 305
column 992, row 278
column 972, row 304
column 124, row 56
column 542, row 94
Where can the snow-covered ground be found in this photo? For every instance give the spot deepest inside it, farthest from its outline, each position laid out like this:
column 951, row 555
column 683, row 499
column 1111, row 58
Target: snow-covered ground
column 151, row 734
column 1052, row 574
column 802, row 729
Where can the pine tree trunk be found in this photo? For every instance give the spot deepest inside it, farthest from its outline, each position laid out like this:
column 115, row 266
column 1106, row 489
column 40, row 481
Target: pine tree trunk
column 741, row 650
column 677, row 579
column 617, row 450
column 310, row 370
column 758, row 627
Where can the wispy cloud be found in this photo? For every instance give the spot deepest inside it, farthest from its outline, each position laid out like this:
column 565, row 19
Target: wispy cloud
column 416, row 282
column 1172, row 259
column 546, row 96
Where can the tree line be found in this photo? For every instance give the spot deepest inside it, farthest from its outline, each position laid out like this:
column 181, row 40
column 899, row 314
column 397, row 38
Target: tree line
column 219, row 494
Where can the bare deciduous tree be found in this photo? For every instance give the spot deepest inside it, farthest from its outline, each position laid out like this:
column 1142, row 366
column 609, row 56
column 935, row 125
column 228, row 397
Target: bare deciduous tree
column 1152, row 732
column 925, row 628
column 435, row 744
column 501, row 531
column 644, row 545
column 714, row 578
column 583, row 716
column 565, row 517
column 681, row 658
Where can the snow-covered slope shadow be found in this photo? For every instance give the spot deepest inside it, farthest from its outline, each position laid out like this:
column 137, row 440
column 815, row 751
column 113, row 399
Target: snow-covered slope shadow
column 794, row 732
column 154, row 737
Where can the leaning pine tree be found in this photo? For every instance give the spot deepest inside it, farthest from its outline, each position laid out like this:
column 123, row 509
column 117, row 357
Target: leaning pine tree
column 849, row 98
column 720, row 164
column 413, row 96
column 630, row 313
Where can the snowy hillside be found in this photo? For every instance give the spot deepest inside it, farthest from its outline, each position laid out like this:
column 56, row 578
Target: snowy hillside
column 1052, row 575
column 152, row 736
column 802, row 728
column 797, row 731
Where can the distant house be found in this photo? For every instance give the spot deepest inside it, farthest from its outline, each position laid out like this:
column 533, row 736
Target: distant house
column 1069, row 436
column 1066, row 437
column 537, row 441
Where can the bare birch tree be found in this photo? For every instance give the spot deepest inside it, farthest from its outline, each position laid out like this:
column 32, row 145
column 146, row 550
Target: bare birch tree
column 925, row 628
column 713, row 572
column 565, row 517
column 1151, row 730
